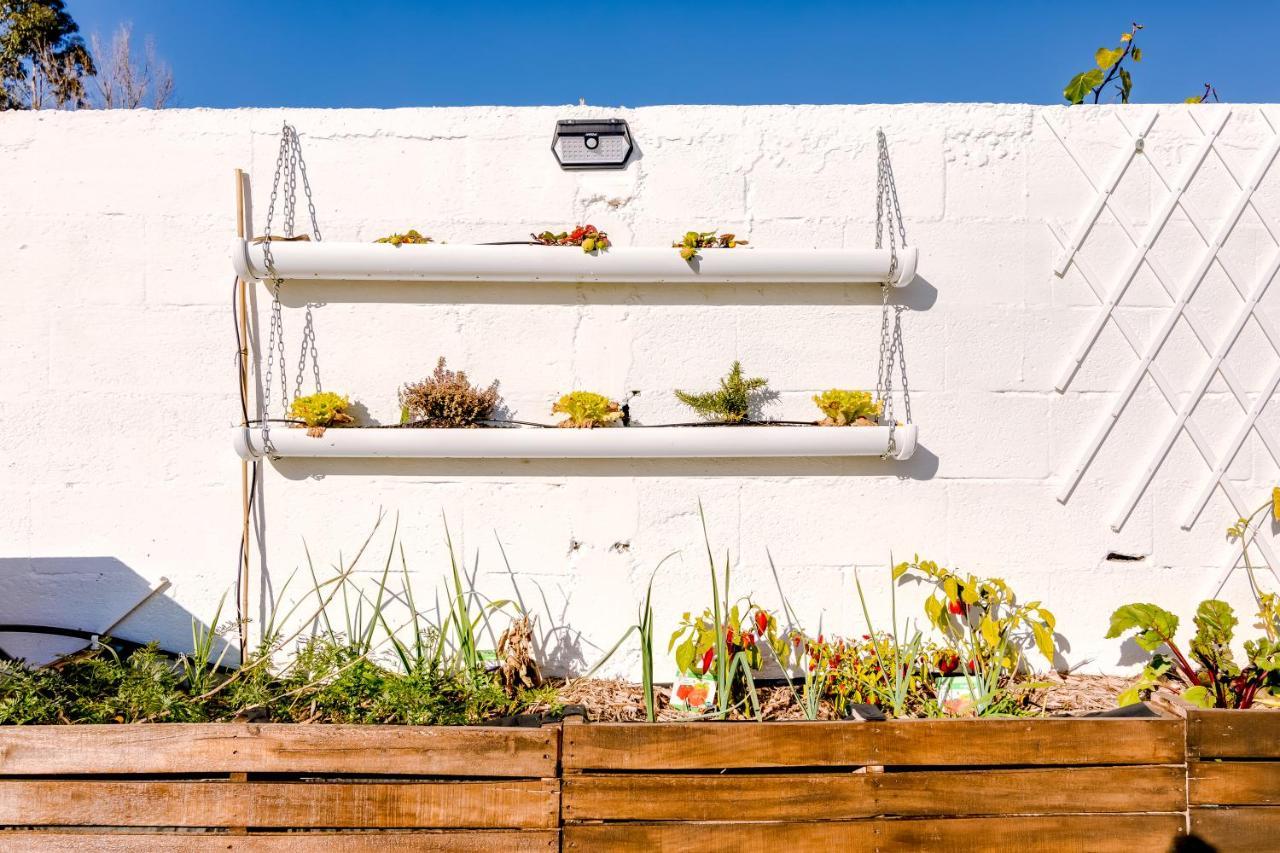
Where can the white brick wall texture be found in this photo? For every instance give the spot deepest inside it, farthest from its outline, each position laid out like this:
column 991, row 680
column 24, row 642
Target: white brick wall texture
column 117, row 362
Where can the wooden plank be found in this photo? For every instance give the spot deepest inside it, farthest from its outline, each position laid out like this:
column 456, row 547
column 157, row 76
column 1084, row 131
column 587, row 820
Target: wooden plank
column 532, row 804
column 1233, row 734
column 710, row 746
column 297, row 842
column 1238, row 829
column 278, row 748
column 804, row 797
column 1062, row 834
column 1234, row 783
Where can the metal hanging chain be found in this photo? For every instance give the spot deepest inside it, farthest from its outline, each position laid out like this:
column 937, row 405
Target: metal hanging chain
column 891, row 350
column 290, row 166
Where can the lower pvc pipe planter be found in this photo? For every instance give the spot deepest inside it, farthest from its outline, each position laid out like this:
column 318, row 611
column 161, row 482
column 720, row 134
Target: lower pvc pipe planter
column 618, row 265
column 603, row 443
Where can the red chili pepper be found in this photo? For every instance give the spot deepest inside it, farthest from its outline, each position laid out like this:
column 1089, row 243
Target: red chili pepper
column 706, row 659
column 762, row 621
column 728, row 636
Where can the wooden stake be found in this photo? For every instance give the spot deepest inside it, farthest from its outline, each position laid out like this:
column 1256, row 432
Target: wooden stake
column 241, row 296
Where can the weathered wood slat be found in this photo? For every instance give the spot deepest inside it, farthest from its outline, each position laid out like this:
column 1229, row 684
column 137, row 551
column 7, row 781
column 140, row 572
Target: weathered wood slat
column 804, row 797
column 1234, row 783
column 369, row 842
column 1233, row 734
column 1238, row 829
column 1061, row 834
column 279, row 748
column 681, row 746
column 533, row 804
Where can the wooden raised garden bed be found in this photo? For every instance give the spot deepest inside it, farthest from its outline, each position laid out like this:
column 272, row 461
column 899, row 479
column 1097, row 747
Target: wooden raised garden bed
column 269, row 788
column 1233, row 778
column 1028, row 785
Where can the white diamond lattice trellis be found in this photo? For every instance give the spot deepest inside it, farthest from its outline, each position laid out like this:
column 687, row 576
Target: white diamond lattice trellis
column 1217, row 347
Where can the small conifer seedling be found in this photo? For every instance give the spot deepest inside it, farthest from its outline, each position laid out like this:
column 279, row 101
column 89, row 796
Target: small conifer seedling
column 731, row 402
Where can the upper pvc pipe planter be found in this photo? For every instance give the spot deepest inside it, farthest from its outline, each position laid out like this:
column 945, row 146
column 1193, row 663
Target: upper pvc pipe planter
column 602, row 443
column 621, row 265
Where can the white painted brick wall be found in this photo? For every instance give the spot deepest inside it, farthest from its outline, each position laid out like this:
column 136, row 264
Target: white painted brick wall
column 117, row 360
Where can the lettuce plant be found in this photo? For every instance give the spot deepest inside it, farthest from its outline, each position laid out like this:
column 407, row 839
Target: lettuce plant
column 321, row 410
column 584, row 410
column 1208, row 673
column 843, row 408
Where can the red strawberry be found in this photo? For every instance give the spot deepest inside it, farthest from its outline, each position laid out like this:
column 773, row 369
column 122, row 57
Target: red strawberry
column 762, row 621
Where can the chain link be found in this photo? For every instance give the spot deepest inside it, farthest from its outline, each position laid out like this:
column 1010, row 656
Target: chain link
column 289, row 166
column 891, row 349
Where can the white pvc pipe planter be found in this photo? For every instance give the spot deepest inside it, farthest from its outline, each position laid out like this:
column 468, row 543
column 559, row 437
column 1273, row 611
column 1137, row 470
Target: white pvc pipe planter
column 621, row 265
column 602, row 443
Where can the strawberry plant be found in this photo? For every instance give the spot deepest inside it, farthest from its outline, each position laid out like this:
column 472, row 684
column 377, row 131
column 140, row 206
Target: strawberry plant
column 843, row 408
column 408, row 238
column 321, row 410
column 587, row 236
column 731, row 402
column 695, row 240
column 1110, row 66
column 1218, row 681
column 584, row 410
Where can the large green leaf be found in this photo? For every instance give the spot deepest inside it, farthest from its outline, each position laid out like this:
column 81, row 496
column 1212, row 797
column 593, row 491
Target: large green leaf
column 1215, row 622
column 684, row 657
column 1081, row 85
column 1155, row 625
column 1263, row 654
column 1201, row 697
column 1107, row 57
column 1044, row 640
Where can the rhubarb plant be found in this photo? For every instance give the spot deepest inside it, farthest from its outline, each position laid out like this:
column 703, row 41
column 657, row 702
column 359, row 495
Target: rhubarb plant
column 1207, row 673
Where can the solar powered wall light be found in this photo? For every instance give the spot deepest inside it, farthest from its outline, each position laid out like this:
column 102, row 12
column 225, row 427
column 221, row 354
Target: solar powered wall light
column 581, row 144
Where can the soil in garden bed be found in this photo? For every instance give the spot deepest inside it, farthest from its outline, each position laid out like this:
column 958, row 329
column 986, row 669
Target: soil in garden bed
column 622, row 701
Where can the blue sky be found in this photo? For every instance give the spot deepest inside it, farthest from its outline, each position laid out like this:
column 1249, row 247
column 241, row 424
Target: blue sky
column 371, row 53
